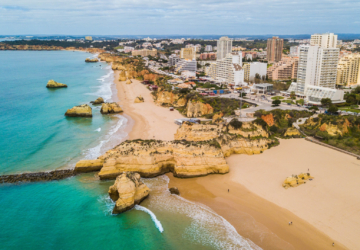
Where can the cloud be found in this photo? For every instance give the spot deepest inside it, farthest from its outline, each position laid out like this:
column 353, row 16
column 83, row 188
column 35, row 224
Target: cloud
column 178, row 17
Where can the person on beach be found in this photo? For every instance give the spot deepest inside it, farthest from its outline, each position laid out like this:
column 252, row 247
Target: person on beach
column 289, row 223
column 228, row 190
column 333, row 244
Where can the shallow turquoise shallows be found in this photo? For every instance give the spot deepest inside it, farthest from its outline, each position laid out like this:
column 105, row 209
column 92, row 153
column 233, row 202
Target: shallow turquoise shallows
column 75, row 213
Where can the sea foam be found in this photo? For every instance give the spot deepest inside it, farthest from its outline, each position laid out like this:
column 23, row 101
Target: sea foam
column 152, row 215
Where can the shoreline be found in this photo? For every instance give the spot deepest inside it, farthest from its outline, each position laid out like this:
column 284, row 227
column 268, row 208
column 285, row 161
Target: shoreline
column 261, row 221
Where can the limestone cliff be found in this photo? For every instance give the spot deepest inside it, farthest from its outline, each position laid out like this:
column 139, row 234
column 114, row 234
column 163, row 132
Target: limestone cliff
column 80, row 111
column 168, row 98
column 197, row 132
column 198, row 109
column 100, row 100
column 247, row 130
column 110, row 108
column 291, row 132
column 151, row 158
column 127, row 191
column 53, row 84
column 85, row 166
column 94, row 60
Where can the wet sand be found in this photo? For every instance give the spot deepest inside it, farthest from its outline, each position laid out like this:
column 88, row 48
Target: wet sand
column 255, row 204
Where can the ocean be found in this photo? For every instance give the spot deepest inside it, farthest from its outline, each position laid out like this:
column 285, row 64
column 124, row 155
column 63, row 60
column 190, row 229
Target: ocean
column 75, row 213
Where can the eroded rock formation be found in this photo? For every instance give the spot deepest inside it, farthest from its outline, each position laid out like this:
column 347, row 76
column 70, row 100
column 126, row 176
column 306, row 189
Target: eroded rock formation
column 296, row 180
column 83, row 110
column 53, row 84
column 85, row 166
column 127, row 191
column 198, row 109
column 168, row 98
column 128, row 81
column 291, row 132
column 100, row 100
column 139, row 99
column 110, row 108
column 94, row 60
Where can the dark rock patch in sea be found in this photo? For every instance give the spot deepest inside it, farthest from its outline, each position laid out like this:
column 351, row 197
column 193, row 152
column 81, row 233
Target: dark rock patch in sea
column 39, row 176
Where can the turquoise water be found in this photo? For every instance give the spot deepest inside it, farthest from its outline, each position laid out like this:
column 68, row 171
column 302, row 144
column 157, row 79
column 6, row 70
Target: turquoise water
column 75, row 213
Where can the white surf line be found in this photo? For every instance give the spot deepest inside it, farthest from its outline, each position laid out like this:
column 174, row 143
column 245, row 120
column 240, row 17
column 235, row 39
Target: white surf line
column 153, row 217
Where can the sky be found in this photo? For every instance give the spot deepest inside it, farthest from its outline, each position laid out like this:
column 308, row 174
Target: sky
column 164, row 17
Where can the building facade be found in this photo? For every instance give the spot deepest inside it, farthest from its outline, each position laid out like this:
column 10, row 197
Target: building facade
column 144, row 52
column 224, row 46
column 274, row 49
column 294, row 51
column 327, row 40
column 253, row 68
column 173, row 60
column 208, row 48
column 208, row 56
column 188, row 53
column 286, row 69
column 348, row 71
column 229, row 69
column 186, row 64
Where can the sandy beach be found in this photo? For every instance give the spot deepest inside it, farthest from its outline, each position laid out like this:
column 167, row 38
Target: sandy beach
column 323, row 211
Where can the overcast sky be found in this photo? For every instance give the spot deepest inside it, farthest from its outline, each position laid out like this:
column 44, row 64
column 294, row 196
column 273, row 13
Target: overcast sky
column 160, row 17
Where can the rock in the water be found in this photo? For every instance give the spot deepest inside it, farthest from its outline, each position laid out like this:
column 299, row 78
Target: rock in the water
column 53, row 84
column 83, row 110
column 110, row 108
column 98, row 101
column 174, row 190
column 85, row 166
column 128, row 81
column 139, row 99
column 127, row 191
column 91, row 60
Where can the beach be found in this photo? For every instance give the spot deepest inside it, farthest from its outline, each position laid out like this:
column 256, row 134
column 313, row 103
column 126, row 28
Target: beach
column 323, row 211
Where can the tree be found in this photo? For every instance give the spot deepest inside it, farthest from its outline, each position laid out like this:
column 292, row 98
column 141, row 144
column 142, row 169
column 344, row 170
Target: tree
column 314, row 108
column 292, row 95
column 242, row 94
column 333, row 109
column 357, row 96
column 276, row 102
column 326, row 102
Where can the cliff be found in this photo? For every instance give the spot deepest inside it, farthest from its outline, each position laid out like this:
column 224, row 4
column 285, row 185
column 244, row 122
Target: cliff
column 94, row 60
column 110, row 108
column 127, row 191
column 198, row 109
column 53, row 84
column 151, row 158
column 79, row 111
column 197, row 132
column 85, row 166
column 169, row 98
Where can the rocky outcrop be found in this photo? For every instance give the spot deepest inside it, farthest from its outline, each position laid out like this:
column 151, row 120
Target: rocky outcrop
column 168, row 98
column 248, row 130
column 218, row 118
column 292, row 132
column 139, row 99
column 269, row 119
column 174, row 190
column 85, row 166
column 151, row 158
column 197, row 132
column 110, row 108
column 100, row 100
column 94, row 60
column 40, row 176
column 83, row 110
column 128, row 81
column 198, row 109
column 122, row 76
column 127, row 191
column 296, row 180
column 331, row 129
column 53, row 84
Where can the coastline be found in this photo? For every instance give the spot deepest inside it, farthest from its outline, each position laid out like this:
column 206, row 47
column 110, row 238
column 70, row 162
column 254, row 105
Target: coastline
column 253, row 216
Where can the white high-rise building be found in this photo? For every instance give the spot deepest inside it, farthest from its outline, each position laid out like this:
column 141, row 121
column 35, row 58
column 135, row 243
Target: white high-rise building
column 317, row 68
column 294, row 50
column 208, row 48
column 327, row 40
column 224, row 46
column 229, row 69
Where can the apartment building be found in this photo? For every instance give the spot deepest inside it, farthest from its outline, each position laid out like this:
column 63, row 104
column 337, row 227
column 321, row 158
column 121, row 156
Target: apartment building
column 327, row 40
column 348, row 70
column 253, row 68
column 274, row 49
column 224, row 46
column 144, row 52
column 188, row 53
column 173, row 60
column 294, row 51
column 286, row 69
column 186, row 64
column 208, row 56
column 229, row 69
column 208, row 48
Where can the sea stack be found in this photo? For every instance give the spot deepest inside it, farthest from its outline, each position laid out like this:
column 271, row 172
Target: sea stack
column 110, row 108
column 79, row 111
column 53, row 84
column 100, row 100
column 128, row 81
column 127, row 191
column 91, row 60
column 139, row 99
